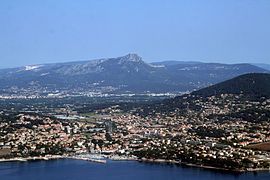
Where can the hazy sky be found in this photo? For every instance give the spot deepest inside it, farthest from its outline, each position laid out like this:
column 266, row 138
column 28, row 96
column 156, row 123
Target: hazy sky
column 45, row 31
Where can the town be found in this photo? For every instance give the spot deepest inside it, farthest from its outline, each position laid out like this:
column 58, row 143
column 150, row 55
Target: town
column 210, row 132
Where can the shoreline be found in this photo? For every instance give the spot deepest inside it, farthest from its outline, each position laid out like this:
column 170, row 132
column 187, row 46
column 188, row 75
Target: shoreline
column 26, row 159
column 189, row 165
column 124, row 158
column 203, row 166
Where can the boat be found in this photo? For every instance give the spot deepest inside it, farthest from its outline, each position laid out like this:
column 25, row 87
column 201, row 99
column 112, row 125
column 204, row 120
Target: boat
column 98, row 160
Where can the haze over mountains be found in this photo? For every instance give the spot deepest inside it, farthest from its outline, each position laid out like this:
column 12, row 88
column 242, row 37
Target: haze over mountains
column 121, row 75
column 262, row 65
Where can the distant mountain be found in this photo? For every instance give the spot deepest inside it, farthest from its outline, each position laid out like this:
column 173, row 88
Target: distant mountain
column 254, row 84
column 117, row 75
column 264, row 66
column 169, row 63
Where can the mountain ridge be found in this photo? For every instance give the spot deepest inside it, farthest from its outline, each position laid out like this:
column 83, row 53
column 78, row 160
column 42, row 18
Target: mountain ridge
column 127, row 73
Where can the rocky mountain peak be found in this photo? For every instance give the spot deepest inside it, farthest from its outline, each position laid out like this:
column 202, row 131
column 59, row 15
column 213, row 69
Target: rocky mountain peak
column 130, row 58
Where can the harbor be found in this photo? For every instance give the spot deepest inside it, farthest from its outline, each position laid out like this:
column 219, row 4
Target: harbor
column 96, row 158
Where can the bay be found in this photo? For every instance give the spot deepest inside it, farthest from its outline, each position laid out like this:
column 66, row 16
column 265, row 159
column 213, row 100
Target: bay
column 67, row 169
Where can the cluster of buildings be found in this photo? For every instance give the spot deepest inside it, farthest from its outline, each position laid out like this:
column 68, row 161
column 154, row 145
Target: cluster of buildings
column 27, row 135
column 215, row 133
column 220, row 129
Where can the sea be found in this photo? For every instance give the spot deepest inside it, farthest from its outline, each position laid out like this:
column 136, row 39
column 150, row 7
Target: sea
column 68, row 169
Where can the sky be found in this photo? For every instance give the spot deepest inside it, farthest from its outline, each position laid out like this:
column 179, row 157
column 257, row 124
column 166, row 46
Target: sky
column 48, row 31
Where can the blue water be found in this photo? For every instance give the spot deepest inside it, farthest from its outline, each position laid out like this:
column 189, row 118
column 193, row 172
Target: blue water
column 113, row 170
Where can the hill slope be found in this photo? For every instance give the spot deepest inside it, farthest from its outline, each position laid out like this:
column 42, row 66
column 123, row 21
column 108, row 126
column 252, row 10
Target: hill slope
column 242, row 96
column 254, row 84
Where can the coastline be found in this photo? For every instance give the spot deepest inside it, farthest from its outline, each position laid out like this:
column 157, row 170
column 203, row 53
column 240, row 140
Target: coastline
column 203, row 166
column 124, row 158
column 22, row 159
